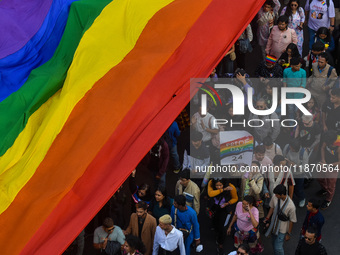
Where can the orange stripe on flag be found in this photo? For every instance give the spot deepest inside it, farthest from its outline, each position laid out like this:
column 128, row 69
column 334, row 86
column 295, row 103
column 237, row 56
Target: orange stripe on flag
column 91, row 124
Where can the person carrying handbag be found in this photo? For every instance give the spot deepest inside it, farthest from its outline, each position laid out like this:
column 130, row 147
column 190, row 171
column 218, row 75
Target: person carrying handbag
column 283, row 215
column 224, row 195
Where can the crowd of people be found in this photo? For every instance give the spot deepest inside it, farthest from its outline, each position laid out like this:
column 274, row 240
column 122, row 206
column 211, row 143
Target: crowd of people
column 255, row 204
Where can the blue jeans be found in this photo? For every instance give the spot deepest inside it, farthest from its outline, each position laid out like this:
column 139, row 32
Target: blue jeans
column 277, row 242
column 175, row 157
column 311, row 37
column 299, row 189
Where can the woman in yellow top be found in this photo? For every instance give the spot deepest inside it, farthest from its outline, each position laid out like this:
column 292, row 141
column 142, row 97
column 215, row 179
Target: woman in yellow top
column 224, row 197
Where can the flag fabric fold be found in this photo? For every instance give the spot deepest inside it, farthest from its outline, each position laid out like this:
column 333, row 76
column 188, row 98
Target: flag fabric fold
column 79, row 144
column 16, row 67
column 20, row 20
column 44, row 81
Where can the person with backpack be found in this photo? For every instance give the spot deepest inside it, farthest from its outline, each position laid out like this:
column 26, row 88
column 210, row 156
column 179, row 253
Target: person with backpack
column 297, row 158
column 321, row 13
column 313, row 55
column 322, row 79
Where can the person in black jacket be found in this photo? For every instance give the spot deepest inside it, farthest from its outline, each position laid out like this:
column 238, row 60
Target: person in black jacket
column 309, row 246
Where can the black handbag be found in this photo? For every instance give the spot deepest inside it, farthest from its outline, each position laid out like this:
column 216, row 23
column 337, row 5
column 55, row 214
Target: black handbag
column 211, row 210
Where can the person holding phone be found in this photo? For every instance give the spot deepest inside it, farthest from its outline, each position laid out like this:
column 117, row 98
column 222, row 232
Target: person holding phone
column 223, row 197
column 246, row 218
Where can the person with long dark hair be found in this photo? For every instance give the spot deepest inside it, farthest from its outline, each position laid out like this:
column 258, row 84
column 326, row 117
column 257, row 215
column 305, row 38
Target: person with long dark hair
column 138, row 193
column 133, row 246
column 296, row 16
column 290, row 52
column 224, row 196
column 160, row 204
column 324, row 35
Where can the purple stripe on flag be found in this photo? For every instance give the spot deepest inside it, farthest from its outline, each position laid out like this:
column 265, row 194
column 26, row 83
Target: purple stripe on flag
column 19, row 21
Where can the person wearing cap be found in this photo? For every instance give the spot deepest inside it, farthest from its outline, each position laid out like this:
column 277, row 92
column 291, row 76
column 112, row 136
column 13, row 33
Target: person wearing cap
column 294, row 77
column 268, row 69
column 280, row 36
column 168, row 240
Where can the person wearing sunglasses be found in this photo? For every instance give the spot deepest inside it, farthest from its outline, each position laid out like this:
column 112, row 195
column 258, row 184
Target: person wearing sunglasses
column 296, row 16
column 108, row 237
column 243, row 249
column 309, row 245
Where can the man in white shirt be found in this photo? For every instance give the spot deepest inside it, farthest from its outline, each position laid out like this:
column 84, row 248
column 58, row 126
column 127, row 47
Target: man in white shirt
column 168, row 240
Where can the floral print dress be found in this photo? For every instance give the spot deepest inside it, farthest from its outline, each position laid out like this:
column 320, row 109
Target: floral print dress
column 294, row 23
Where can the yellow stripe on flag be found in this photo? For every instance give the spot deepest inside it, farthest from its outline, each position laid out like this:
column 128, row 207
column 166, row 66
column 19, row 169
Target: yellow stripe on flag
column 104, row 45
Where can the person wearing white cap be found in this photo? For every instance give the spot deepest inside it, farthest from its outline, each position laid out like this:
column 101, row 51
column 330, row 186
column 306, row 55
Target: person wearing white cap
column 168, row 240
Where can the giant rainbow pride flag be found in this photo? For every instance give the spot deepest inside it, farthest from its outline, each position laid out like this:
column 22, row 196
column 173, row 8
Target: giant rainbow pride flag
column 86, row 88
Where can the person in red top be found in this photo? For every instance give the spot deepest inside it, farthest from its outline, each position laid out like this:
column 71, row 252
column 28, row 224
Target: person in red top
column 313, row 218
